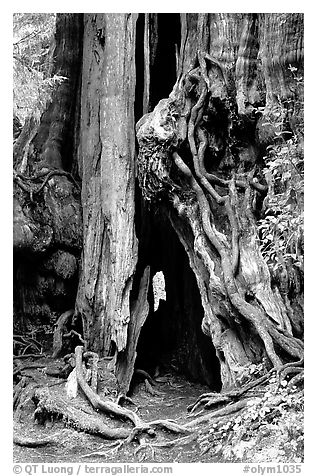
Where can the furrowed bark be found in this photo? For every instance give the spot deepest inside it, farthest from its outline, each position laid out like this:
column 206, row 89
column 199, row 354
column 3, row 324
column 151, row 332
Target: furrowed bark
column 108, row 173
column 47, row 210
column 199, row 152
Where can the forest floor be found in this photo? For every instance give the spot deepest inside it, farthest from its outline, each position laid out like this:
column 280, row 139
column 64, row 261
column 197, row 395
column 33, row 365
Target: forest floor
column 263, row 432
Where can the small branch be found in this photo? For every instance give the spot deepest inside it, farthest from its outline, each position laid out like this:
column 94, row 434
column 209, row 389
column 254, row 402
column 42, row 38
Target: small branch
column 32, row 34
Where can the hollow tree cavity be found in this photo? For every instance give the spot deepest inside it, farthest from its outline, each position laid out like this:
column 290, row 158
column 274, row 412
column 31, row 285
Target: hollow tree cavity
column 210, row 179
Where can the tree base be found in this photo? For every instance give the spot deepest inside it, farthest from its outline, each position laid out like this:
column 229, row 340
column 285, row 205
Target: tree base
column 256, row 403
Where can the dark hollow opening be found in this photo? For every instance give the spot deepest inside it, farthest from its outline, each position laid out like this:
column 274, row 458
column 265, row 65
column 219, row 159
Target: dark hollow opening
column 171, row 338
column 39, row 294
column 139, row 67
column 165, row 36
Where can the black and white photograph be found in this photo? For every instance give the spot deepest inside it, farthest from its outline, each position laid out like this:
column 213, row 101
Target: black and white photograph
column 158, row 241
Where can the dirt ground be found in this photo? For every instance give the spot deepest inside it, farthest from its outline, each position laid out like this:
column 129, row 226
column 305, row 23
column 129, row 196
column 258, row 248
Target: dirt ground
column 269, row 440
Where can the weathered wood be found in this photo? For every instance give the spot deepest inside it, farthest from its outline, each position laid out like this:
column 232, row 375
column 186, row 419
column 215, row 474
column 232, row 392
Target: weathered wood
column 96, row 401
column 229, row 66
column 51, row 404
column 108, row 173
column 139, row 312
column 210, row 119
column 47, row 209
column 54, row 138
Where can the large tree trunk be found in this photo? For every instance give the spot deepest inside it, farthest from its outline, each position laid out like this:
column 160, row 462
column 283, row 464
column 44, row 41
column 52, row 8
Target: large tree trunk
column 107, row 168
column 200, row 156
column 47, row 209
column 216, row 83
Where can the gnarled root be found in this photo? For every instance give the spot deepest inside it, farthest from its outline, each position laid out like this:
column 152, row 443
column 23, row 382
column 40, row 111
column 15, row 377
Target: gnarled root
column 98, row 403
column 292, row 368
column 209, row 400
column 51, row 403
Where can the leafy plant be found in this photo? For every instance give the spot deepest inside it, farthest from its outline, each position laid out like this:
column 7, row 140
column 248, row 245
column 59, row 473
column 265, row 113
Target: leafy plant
column 281, row 228
column 33, row 42
column 271, row 418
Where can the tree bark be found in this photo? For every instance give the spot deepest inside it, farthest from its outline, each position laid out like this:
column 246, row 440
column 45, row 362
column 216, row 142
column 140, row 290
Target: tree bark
column 47, row 210
column 107, row 169
column 198, row 153
column 214, row 84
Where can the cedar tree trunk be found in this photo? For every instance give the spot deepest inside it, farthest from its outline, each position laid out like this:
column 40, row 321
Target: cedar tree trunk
column 201, row 158
column 204, row 89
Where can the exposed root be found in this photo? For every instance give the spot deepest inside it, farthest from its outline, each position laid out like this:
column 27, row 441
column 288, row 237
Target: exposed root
column 209, row 400
column 151, row 390
column 289, row 369
column 145, row 375
column 110, row 407
column 169, row 425
column 125, row 398
column 250, row 312
column 75, row 412
column 98, row 403
column 297, row 379
column 215, row 415
column 34, row 443
column 50, row 404
column 184, row 440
